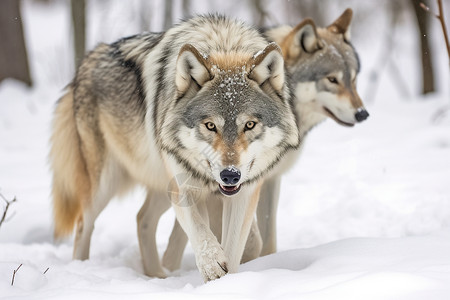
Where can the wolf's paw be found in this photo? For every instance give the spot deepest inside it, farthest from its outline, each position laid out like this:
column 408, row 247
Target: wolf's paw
column 211, row 261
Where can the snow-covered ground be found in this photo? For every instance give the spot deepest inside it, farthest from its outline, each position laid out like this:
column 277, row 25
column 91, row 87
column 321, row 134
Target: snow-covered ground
column 364, row 214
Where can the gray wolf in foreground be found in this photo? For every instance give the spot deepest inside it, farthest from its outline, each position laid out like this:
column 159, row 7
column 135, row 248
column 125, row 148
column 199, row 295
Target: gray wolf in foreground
column 202, row 109
column 323, row 66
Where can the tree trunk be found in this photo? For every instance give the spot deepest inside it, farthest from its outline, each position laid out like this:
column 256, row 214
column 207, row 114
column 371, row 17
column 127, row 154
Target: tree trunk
column 78, row 10
column 422, row 18
column 13, row 51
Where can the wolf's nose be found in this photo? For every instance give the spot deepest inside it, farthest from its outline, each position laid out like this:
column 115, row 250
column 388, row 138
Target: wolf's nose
column 361, row 115
column 230, row 175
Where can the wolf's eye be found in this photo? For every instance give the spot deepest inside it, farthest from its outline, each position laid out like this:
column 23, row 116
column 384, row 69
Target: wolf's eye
column 332, row 79
column 249, row 125
column 211, row 126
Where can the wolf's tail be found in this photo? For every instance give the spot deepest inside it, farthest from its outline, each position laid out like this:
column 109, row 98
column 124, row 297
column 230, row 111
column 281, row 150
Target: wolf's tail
column 71, row 185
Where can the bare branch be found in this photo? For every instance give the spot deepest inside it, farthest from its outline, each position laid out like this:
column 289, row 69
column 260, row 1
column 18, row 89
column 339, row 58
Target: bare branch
column 8, row 203
column 14, row 272
column 46, row 270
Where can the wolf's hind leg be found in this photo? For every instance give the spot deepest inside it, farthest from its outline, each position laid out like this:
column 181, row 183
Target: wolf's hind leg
column 174, row 252
column 147, row 221
column 111, row 181
column 85, row 227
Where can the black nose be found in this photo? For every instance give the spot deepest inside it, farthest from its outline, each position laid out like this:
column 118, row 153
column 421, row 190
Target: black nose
column 361, row 115
column 230, row 175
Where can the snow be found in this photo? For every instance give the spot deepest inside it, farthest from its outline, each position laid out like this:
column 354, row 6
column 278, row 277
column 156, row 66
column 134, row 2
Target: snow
column 364, row 214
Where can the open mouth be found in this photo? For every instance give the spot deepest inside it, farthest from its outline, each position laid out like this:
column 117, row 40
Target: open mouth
column 229, row 190
column 339, row 121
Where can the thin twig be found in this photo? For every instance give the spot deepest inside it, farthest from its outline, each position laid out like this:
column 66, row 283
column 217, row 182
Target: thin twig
column 46, row 270
column 14, row 274
column 8, row 203
column 444, row 27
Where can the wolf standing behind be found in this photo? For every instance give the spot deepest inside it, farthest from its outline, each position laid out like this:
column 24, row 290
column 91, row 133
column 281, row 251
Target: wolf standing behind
column 208, row 99
column 323, row 68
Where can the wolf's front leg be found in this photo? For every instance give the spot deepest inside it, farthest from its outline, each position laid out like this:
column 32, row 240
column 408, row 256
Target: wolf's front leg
column 209, row 255
column 238, row 213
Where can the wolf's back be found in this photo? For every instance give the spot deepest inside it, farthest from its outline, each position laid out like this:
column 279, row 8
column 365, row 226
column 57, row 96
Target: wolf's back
column 70, row 179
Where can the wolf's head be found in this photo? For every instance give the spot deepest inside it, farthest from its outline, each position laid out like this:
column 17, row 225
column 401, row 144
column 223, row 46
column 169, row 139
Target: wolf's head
column 323, row 65
column 232, row 119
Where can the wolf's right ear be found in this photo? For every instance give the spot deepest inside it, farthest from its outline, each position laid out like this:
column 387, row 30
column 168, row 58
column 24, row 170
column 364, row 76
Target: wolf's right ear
column 268, row 66
column 192, row 67
column 303, row 38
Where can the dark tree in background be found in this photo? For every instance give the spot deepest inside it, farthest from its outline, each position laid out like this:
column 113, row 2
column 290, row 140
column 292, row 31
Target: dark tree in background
column 422, row 18
column 78, row 10
column 13, row 51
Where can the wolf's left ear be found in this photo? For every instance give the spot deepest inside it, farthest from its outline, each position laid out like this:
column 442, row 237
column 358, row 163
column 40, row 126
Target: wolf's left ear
column 192, row 67
column 342, row 24
column 268, row 66
column 303, row 38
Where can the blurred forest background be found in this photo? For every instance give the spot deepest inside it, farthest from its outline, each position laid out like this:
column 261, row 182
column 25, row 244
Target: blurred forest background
column 121, row 18
column 385, row 178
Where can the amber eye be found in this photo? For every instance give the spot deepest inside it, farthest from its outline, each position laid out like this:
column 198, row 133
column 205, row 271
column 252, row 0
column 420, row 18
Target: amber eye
column 332, row 79
column 249, row 125
column 211, row 126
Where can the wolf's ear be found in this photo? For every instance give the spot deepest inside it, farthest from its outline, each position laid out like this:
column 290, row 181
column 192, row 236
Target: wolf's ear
column 192, row 67
column 342, row 24
column 268, row 66
column 303, row 38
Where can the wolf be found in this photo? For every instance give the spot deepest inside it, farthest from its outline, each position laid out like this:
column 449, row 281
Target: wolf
column 323, row 66
column 201, row 111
